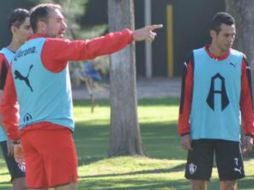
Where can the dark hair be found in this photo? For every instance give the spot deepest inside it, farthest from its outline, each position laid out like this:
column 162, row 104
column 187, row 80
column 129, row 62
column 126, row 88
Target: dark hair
column 219, row 19
column 40, row 13
column 18, row 17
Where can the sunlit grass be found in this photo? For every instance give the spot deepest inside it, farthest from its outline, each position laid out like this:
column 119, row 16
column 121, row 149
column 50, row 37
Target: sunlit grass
column 161, row 169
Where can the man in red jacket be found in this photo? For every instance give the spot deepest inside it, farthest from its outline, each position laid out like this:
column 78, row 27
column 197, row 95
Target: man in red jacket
column 39, row 82
column 19, row 26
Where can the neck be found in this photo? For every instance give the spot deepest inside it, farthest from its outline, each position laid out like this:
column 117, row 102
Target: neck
column 14, row 45
column 215, row 50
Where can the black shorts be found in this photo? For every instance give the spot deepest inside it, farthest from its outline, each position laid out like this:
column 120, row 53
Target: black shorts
column 15, row 170
column 228, row 160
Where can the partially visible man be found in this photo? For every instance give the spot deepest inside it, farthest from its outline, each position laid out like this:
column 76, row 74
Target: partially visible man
column 39, row 81
column 216, row 91
column 19, row 26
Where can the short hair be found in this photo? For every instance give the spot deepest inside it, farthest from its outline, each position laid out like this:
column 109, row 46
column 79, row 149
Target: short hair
column 17, row 17
column 219, row 19
column 41, row 12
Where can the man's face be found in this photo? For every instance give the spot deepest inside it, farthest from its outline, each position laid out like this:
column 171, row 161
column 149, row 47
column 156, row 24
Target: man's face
column 225, row 38
column 22, row 32
column 56, row 25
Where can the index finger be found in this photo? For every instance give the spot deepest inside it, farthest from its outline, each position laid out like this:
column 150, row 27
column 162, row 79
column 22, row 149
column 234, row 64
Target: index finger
column 155, row 26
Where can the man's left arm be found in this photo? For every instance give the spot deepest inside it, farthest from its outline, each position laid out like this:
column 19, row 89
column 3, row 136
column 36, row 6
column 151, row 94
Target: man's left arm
column 246, row 106
column 9, row 109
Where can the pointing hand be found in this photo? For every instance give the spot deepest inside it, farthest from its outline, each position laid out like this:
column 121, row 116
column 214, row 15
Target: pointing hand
column 147, row 33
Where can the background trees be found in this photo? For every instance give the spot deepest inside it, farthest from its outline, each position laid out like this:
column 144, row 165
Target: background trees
column 243, row 13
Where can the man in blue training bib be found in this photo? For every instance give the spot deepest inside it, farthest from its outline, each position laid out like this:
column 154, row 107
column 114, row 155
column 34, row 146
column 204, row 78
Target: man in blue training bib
column 216, row 93
column 39, row 83
column 19, row 26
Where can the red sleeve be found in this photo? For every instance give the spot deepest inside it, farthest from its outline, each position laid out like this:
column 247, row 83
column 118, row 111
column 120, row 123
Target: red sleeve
column 9, row 109
column 1, row 62
column 56, row 52
column 186, row 98
column 246, row 105
column 3, row 70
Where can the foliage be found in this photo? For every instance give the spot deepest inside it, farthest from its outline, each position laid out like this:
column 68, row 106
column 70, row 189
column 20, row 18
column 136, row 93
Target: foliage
column 73, row 11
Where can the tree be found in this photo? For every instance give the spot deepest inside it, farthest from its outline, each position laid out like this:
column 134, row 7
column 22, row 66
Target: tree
column 243, row 13
column 125, row 133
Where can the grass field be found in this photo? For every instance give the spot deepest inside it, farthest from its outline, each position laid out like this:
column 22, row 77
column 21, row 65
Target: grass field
column 161, row 169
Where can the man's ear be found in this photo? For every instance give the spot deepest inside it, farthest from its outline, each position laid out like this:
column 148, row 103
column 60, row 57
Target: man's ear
column 213, row 34
column 41, row 27
column 13, row 29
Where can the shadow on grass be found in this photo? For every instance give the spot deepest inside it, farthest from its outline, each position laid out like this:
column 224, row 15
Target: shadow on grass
column 160, row 140
column 88, row 160
column 159, row 102
column 142, row 102
column 136, row 184
column 151, row 184
column 91, row 142
column 4, row 173
column 247, row 182
column 155, row 171
column 5, row 185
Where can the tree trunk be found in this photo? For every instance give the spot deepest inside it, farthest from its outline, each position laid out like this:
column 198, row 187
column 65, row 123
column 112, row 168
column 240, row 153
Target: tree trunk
column 125, row 133
column 243, row 13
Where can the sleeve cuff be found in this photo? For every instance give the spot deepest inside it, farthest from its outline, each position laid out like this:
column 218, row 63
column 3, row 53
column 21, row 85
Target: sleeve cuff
column 130, row 33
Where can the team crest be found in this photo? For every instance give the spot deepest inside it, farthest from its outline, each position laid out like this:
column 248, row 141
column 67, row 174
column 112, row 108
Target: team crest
column 22, row 166
column 192, row 168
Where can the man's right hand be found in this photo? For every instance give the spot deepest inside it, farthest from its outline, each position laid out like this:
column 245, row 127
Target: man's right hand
column 10, row 147
column 186, row 142
column 18, row 153
column 147, row 33
column 1, row 117
column 247, row 144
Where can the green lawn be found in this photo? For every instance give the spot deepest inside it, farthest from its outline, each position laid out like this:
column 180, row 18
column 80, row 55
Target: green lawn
column 161, row 169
